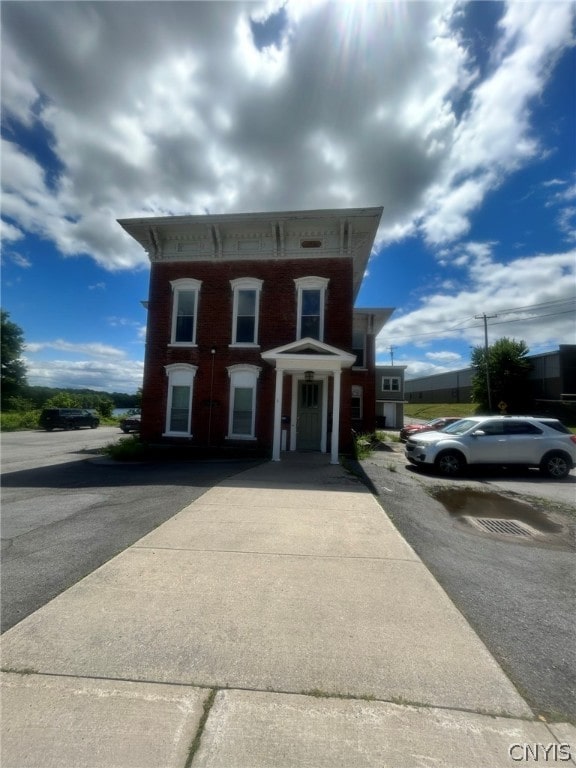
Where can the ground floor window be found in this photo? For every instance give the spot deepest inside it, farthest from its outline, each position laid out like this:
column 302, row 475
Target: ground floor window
column 242, row 413
column 179, row 404
column 356, row 408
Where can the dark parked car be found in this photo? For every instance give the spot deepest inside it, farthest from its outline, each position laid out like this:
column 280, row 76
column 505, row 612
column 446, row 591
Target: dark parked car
column 430, row 426
column 130, row 423
column 67, row 418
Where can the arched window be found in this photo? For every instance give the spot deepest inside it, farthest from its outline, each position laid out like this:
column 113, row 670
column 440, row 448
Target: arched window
column 184, row 311
column 242, row 409
column 179, row 403
column 310, row 306
column 246, row 310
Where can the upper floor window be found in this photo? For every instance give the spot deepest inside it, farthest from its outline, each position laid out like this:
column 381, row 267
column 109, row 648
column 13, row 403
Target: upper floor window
column 184, row 310
column 358, row 348
column 391, row 384
column 311, row 299
column 245, row 310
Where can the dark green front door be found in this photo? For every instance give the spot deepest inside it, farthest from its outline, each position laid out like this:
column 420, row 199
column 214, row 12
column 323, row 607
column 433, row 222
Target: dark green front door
column 309, row 433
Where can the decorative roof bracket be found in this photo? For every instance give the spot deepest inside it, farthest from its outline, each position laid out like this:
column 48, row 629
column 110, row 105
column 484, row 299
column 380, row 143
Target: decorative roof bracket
column 216, row 241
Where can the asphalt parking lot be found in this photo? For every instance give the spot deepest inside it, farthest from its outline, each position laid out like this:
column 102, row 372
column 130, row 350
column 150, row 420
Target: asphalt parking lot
column 65, row 511
column 518, row 592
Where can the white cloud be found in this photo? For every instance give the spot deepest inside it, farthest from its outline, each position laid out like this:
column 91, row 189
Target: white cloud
column 99, row 375
column 533, row 299
column 81, row 364
column 446, row 357
column 173, row 109
column 159, row 109
column 93, row 349
column 10, row 233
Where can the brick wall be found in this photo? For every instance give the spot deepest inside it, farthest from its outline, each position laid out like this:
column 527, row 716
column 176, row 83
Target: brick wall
column 277, row 326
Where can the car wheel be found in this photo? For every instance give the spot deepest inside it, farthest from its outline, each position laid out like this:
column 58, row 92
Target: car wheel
column 555, row 465
column 450, row 463
column 125, row 430
column 93, row 426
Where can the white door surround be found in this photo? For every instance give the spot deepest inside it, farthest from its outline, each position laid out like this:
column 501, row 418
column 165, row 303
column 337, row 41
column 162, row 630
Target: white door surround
column 301, row 360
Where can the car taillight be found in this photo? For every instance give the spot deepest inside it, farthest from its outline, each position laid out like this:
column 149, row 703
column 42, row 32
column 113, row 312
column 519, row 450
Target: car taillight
column 573, row 438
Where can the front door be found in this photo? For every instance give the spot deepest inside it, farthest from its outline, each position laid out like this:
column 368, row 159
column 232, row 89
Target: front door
column 309, row 432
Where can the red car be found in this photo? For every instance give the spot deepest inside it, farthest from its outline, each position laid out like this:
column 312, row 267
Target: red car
column 430, row 426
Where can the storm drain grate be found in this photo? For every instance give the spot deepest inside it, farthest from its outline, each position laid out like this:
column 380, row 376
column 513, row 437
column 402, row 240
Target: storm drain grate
column 507, row 527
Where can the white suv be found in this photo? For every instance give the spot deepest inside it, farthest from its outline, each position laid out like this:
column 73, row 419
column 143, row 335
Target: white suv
column 503, row 440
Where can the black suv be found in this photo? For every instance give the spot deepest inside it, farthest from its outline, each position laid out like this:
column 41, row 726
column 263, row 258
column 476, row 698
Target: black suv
column 67, row 418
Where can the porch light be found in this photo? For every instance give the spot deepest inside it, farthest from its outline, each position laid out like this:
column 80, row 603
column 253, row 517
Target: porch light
column 309, row 375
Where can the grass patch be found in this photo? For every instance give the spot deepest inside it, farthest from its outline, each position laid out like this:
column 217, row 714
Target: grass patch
column 21, row 671
column 387, row 437
column 127, row 449
column 364, row 444
column 198, row 738
column 16, row 421
column 566, row 412
column 319, row 694
column 429, row 411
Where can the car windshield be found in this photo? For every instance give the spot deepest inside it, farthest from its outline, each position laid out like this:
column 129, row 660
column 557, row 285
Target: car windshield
column 459, row 427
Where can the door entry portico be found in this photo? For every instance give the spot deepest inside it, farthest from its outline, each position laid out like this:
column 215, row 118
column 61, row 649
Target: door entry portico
column 310, row 407
column 309, row 416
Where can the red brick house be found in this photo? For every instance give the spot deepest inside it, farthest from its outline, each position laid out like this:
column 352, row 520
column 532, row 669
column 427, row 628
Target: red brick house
column 252, row 337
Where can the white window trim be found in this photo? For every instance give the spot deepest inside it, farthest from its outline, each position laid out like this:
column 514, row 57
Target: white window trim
column 246, row 284
column 184, row 284
column 315, row 284
column 187, row 373
column 358, row 392
column 390, row 379
column 234, row 372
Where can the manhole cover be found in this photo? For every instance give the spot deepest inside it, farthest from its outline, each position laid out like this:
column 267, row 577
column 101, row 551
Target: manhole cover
column 507, row 527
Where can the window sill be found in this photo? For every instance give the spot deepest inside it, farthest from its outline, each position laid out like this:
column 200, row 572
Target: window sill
column 240, row 437
column 243, row 345
column 188, row 344
column 359, row 368
column 184, row 435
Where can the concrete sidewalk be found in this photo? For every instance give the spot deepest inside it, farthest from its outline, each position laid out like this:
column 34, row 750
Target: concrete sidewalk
column 280, row 620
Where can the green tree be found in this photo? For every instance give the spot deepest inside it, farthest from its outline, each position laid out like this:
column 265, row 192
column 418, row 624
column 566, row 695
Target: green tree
column 509, row 371
column 105, row 406
column 64, row 400
column 13, row 367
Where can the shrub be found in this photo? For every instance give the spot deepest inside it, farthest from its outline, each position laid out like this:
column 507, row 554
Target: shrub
column 127, row 449
column 363, row 444
column 14, row 421
column 387, row 437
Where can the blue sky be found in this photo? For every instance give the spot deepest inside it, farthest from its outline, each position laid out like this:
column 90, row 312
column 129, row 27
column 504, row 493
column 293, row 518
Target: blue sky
column 458, row 118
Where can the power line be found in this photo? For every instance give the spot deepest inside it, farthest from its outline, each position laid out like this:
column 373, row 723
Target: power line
column 535, row 317
column 542, row 304
column 501, row 322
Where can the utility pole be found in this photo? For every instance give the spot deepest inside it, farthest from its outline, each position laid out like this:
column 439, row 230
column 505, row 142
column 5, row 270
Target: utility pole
column 392, row 355
column 486, row 318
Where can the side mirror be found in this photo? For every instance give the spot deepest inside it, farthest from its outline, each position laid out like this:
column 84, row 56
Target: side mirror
column 478, row 433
